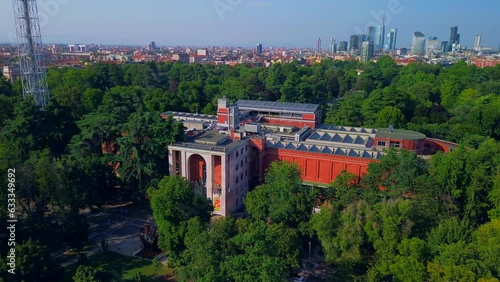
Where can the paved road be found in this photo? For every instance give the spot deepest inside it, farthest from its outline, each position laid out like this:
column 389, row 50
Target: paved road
column 117, row 227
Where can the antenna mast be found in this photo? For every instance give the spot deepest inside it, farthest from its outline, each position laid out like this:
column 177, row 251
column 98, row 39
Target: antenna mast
column 29, row 39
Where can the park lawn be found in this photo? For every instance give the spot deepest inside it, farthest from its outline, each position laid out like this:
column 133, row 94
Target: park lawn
column 124, row 267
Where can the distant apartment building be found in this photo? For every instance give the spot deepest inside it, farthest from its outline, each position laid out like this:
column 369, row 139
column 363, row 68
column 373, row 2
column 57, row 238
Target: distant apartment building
column 202, row 52
column 82, row 48
column 343, row 46
column 259, row 49
column 402, row 52
column 72, row 48
column 418, row 44
column 196, row 59
column 11, row 73
column 367, row 49
column 182, row 57
column 355, row 42
column 486, row 62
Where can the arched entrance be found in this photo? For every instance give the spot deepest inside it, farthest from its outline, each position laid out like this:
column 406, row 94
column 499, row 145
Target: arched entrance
column 198, row 172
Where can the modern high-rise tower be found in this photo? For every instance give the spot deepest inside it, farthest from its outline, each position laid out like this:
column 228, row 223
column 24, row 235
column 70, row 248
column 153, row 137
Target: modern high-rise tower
column 454, row 37
column 382, row 33
column 259, row 49
column 392, row 37
column 477, row 43
column 343, row 46
column 367, row 51
column 318, row 45
column 418, row 43
column 333, row 46
column 373, row 35
column 29, row 38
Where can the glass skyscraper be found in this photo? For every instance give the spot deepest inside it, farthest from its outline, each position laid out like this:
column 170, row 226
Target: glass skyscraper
column 418, row 43
column 391, row 39
column 367, row 51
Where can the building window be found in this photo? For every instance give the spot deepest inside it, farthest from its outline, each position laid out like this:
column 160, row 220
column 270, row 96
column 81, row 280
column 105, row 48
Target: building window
column 246, row 172
column 241, row 163
column 241, row 177
column 237, row 166
column 237, row 178
column 242, row 150
column 395, row 144
column 381, row 143
column 237, row 154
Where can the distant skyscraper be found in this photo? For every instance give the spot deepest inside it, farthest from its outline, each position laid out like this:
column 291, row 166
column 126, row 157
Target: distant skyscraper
column 318, row 45
column 382, row 34
column 259, row 49
column 72, row 48
column 343, row 46
column 376, row 34
column 372, row 34
column 82, row 48
column 477, row 43
column 354, row 42
column 392, row 37
column 367, row 51
column 418, row 43
column 444, row 46
column 333, row 46
column 432, row 44
column 454, row 37
column 152, row 45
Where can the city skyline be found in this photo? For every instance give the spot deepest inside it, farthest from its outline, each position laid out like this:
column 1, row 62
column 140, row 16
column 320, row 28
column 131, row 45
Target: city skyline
column 246, row 23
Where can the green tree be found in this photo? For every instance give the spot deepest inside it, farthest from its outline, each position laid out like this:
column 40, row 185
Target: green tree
column 282, row 198
column 33, row 263
column 174, row 202
column 390, row 116
column 88, row 274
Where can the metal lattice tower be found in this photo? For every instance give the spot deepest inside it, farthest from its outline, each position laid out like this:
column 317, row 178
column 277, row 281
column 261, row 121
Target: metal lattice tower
column 29, row 38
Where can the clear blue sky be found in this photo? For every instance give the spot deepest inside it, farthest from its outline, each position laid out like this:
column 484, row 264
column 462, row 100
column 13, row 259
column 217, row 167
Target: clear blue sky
column 288, row 23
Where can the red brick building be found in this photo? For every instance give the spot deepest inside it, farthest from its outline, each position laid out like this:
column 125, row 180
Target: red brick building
column 227, row 155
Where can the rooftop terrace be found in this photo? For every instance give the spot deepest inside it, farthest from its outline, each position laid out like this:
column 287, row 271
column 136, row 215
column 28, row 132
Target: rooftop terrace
column 322, row 149
column 277, row 107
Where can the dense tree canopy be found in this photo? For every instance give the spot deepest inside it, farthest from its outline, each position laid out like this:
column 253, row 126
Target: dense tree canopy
column 102, row 133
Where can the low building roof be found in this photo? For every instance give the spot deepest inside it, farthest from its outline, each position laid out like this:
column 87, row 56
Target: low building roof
column 399, row 134
column 277, row 107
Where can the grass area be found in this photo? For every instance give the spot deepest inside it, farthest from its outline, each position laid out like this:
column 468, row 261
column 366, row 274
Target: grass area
column 124, row 267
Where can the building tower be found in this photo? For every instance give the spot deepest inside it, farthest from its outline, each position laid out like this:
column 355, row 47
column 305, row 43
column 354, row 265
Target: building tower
column 318, row 45
column 382, row 33
column 367, row 51
column 29, row 38
column 373, row 34
column 418, row 43
column 454, row 37
column 259, row 49
column 477, row 43
column 333, row 46
column 392, row 37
